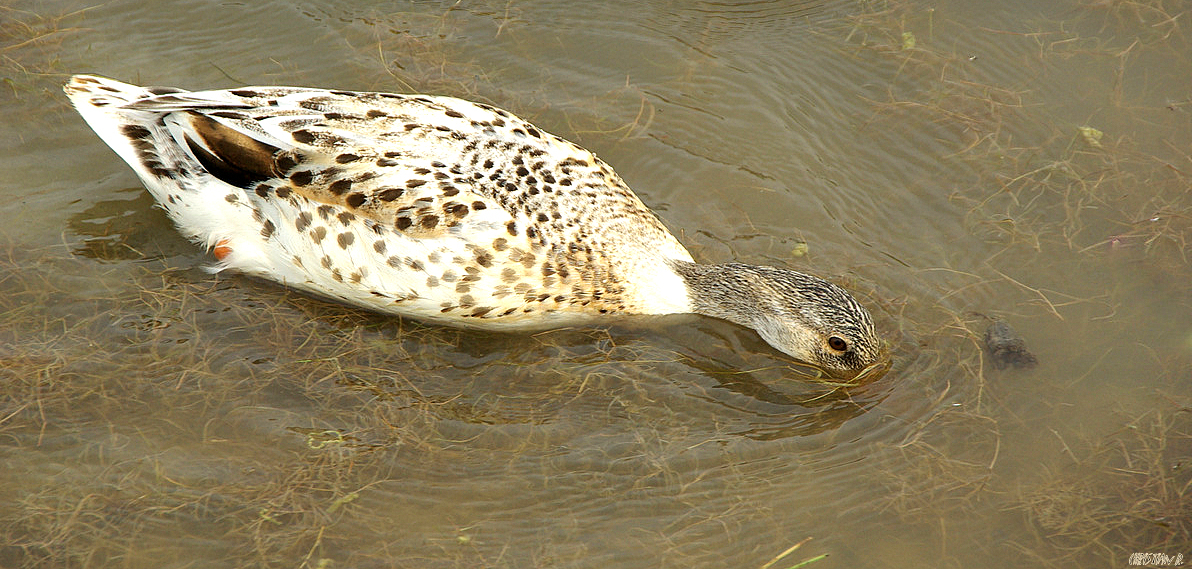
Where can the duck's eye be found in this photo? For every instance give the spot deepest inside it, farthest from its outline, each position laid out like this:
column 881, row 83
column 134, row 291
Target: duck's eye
column 838, row 344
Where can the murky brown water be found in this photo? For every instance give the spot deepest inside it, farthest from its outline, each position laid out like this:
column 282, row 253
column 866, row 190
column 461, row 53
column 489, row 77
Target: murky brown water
column 930, row 155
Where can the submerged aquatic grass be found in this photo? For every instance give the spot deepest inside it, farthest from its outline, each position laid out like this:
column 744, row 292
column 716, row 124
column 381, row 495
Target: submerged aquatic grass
column 30, row 47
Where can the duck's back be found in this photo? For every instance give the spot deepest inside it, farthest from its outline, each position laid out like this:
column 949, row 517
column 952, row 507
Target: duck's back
column 426, row 206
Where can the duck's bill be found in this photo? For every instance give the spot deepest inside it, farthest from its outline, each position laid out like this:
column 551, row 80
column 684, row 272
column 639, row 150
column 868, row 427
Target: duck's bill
column 869, row 374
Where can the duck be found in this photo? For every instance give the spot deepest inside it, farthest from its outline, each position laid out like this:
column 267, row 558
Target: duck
column 442, row 210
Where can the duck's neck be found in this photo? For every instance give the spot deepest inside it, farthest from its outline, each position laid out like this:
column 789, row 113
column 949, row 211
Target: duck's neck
column 727, row 291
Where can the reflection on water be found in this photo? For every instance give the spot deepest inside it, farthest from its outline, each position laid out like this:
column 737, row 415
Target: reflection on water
column 936, row 160
column 124, row 229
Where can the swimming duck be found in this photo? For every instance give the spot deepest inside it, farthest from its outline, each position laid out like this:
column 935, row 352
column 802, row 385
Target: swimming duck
column 440, row 209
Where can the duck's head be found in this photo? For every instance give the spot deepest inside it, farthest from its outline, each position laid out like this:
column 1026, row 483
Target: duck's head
column 816, row 322
column 804, row 316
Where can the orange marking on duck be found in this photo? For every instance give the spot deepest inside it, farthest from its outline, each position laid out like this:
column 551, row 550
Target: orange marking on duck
column 222, row 249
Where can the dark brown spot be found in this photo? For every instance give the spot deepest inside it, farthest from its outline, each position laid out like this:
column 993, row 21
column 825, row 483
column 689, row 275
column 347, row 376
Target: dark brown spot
column 484, row 259
column 414, row 183
column 303, row 221
column 135, row 131
column 339, row 187
column 390, row 194
column 346, row 157
column 230, row 198
column 325, row 211
column 430, row 221
column 303, row 136
column 345, row 239
column 379, row 246
column 511, row 227
column 284, row 192
column 500, row 244
column 267, row 229
column 403, row 223
column 346, row 217
column 356, row 199
column 285, row 163
column 318, row 233
column 374, row 113
column 301, row 177
column 478, row 205
column 387, row 162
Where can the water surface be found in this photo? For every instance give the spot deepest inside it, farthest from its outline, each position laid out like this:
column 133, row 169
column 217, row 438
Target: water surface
column 949, row 162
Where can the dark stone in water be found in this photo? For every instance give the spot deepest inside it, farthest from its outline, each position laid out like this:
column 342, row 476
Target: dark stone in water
column 1006, row 347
